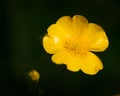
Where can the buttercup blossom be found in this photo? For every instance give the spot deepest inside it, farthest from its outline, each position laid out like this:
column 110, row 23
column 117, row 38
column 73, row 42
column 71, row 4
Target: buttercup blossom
column 34, row 75
column 72, row 41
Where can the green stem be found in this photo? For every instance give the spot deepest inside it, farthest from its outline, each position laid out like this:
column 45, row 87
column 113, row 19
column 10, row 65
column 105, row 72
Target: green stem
column 53, row 77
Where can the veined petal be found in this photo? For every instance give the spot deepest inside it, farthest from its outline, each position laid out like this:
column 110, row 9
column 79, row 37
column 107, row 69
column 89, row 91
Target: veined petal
column 52, row 44
column 62, row 28
column 91, row 64
column 96, row 38
column 60, row 57
column 64, row 24
column 72, row 26
column 55, row 31
column 67, row 27
column 79, row 24
column 72, row 62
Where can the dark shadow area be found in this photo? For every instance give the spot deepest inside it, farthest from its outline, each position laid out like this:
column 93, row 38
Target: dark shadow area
column 25, row 22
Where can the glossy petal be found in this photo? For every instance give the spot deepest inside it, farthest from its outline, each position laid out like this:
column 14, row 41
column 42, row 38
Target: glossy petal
column 64, row 24
column 55, row 31
column 79, row 24
column 74, row 26
column 96, row 38
column 72, row 62
column 91, row 64
column 52, row 44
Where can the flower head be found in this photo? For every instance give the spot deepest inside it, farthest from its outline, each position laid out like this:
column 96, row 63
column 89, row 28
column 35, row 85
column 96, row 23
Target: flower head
column 72, row 40
column 34, row 75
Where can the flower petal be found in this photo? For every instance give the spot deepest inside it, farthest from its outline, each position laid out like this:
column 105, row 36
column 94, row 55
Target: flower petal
column 79, row 24
column 91, row 64
column 71, row 26
column 96, row 38
column 62, row 29
column 64, row 24
column 72, row 62
column 52, row 44
column 55, row 31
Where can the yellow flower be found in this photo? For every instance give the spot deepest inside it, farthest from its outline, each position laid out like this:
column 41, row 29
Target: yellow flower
column 72, row 41
column 34, row 75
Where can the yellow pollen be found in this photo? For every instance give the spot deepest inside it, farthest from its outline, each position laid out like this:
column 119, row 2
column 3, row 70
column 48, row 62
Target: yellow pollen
column 74, row 47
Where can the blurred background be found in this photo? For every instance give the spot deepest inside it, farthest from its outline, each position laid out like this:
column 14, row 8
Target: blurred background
column 24, row 23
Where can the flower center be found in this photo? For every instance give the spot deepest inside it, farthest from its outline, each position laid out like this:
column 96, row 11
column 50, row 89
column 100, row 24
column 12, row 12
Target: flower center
column 74, row 46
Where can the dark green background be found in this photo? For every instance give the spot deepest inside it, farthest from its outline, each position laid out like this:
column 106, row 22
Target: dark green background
column 24, row 23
